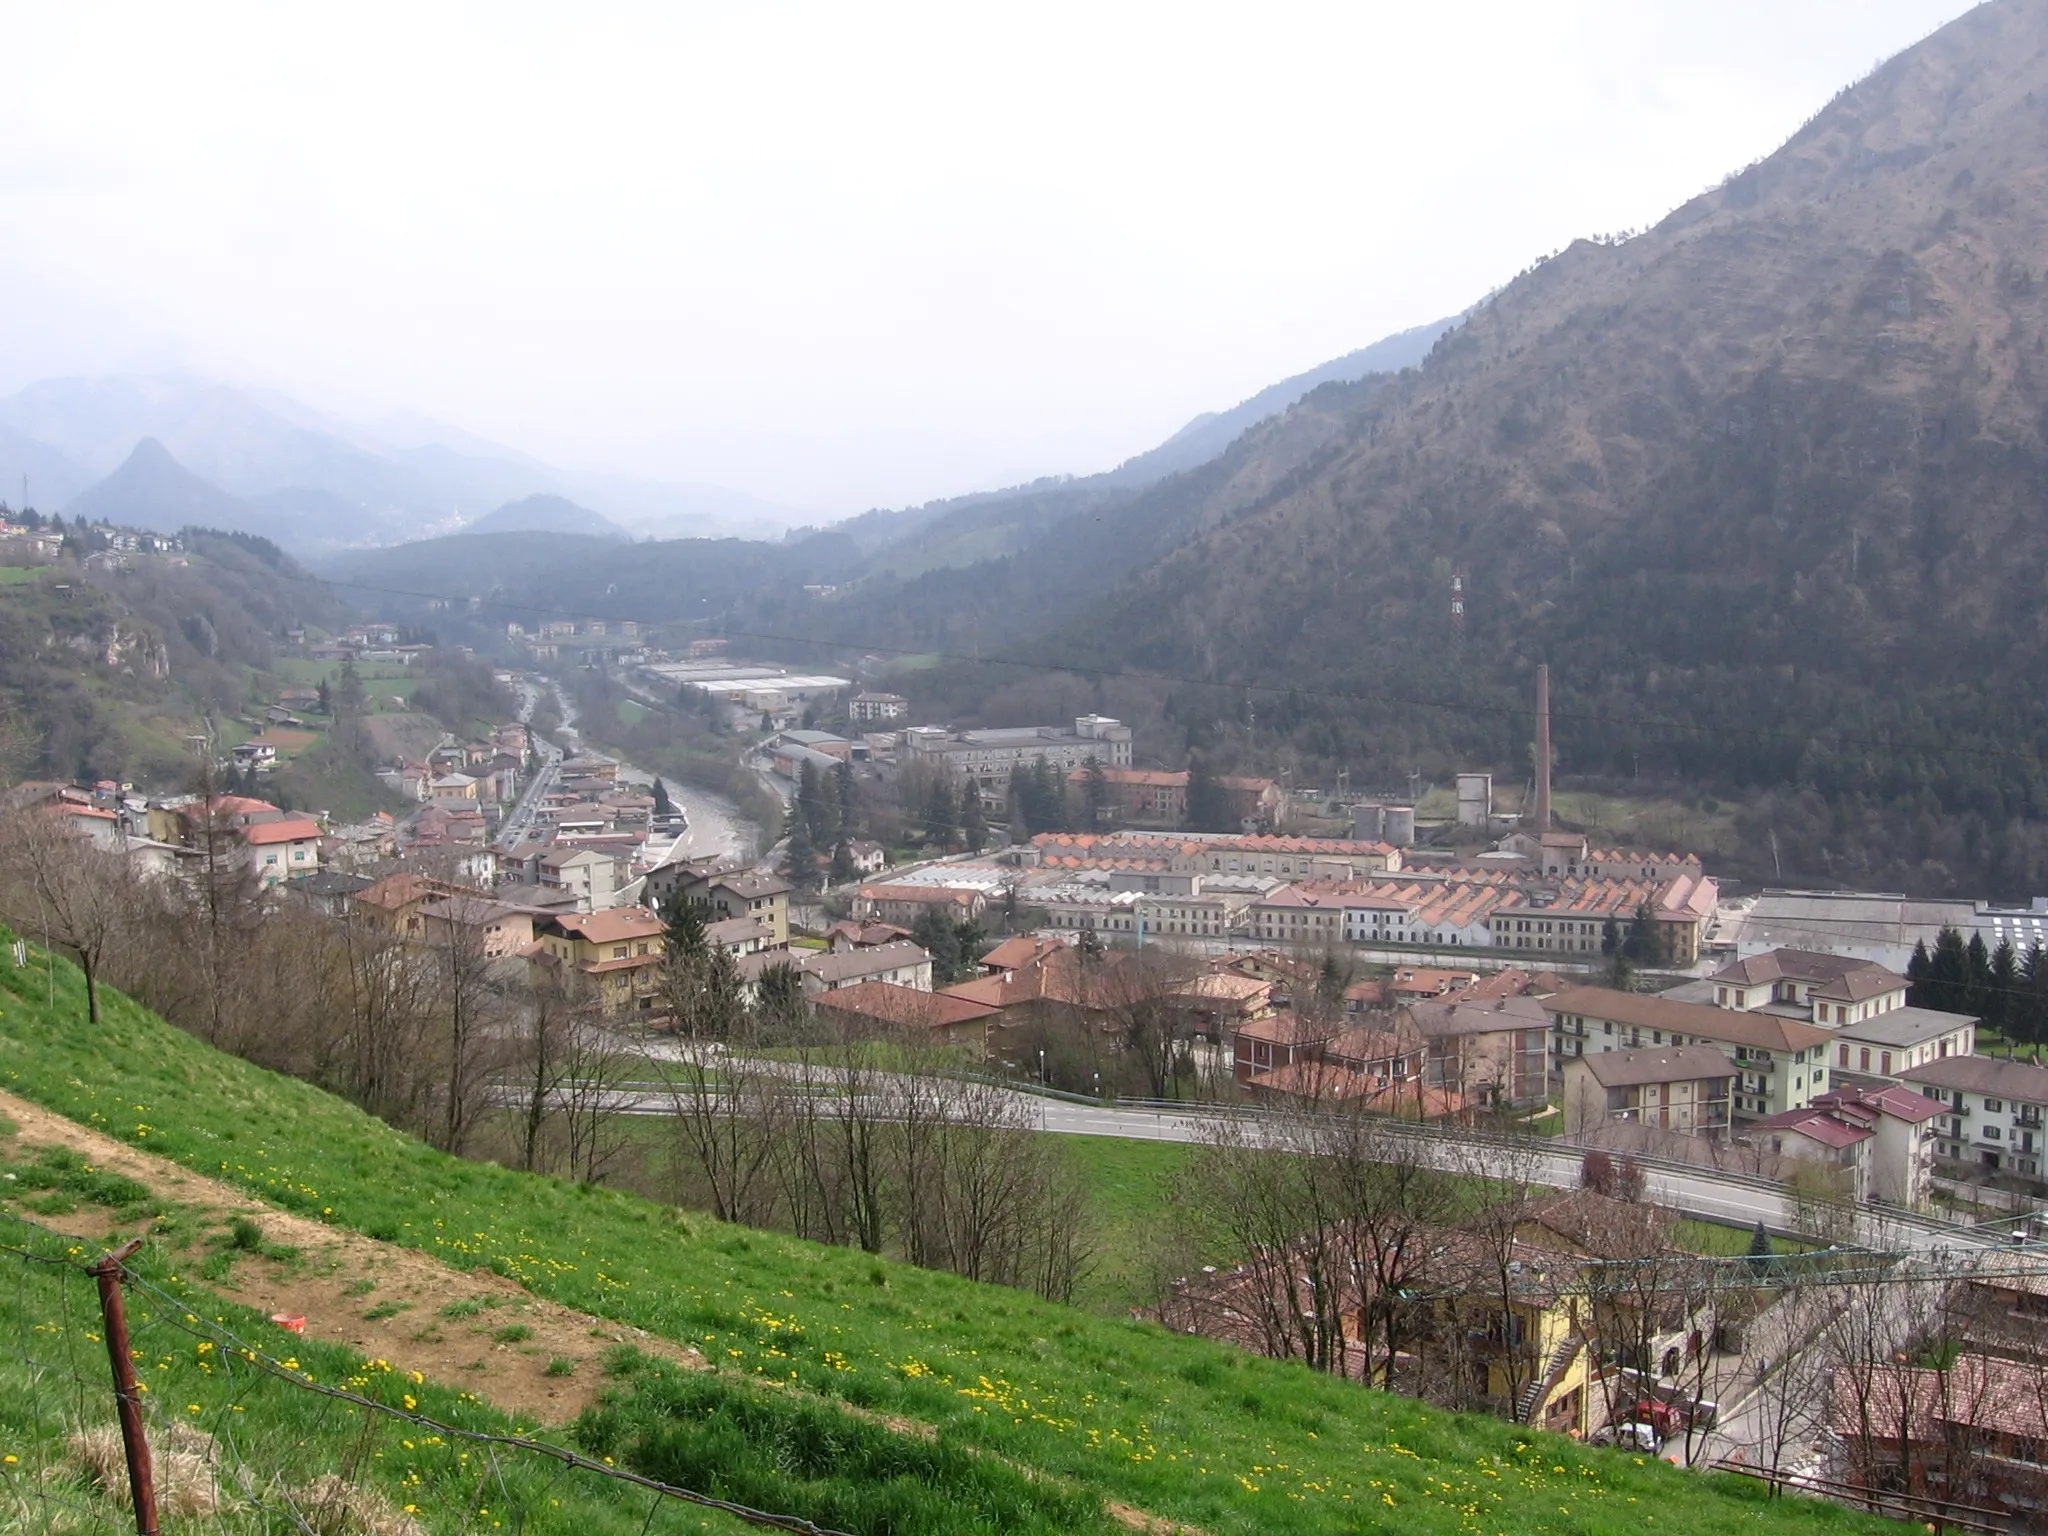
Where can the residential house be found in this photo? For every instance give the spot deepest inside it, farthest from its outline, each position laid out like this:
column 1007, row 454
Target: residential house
column 1491, row 1052
column 1972, row 1432
column 1780, row 1063
column 903, row 904
column 453, row 786
column 869, row 858
column 1826, row 989
column 741, row 936
column 1686, row 1089
column 902, row 964
column 1877, row 1033
column 937, row 1018
column 619, row 952
column 1217, row 1004
column 847, row 934
column 745, row 893
column 282, row 850
column 1992, row 1111
column 590, row 874
column 1879, row 1138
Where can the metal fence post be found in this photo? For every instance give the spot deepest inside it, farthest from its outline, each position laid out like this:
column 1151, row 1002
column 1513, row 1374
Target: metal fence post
column 128, row 1398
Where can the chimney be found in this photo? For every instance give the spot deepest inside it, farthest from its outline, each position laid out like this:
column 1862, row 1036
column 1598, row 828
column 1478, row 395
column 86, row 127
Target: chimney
column 1542, row 748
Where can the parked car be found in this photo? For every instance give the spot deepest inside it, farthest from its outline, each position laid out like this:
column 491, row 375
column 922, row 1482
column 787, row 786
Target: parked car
column 1630, row 1436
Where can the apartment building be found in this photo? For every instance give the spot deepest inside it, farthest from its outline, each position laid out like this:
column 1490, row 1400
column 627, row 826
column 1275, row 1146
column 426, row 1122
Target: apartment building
column 1688, row 1089
column 1993, row 1111
column 1780, row 1063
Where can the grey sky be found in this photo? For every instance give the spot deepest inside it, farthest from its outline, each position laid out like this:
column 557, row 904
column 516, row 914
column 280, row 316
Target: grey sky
column 844, row 255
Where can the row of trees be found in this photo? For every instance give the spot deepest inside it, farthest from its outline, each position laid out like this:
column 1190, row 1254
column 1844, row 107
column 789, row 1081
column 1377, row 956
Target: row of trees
column 2006, row 988
column 486, row 1056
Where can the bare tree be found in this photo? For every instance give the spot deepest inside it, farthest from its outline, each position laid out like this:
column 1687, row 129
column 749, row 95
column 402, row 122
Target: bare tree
column 721, row 1100
column 54, row 882
column 1134, row 993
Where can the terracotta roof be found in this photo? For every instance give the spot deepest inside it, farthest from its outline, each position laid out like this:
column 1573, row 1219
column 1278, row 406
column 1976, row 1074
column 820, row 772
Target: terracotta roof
column 931, row 895
column 266, row 832
column 1024, row 949
column 1727, row 1025
column 610, row 926
column 1983, row 1394
column 906, row 1006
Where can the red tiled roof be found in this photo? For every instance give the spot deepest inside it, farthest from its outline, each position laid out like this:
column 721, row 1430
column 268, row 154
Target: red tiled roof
column 893, row 1004
column 280, row 832
column 610, row 926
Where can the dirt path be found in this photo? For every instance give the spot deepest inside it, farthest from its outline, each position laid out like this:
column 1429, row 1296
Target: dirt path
column 461, row 1327
column 398, row 1304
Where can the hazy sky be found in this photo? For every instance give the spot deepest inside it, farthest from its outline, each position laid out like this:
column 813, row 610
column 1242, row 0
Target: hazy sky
column 844, row 255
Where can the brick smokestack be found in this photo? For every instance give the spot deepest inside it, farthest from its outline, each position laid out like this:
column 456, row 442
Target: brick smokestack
column 1542, row 748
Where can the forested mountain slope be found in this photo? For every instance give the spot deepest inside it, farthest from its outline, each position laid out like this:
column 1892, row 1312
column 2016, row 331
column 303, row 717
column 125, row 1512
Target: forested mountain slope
column 1764, row 485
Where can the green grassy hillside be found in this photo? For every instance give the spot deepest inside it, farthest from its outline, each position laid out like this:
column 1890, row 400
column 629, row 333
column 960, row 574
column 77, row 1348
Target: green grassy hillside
column 1093, row 1409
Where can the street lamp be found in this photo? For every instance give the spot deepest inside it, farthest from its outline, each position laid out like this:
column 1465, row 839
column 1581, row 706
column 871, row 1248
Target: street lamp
column 1098, row 1085
column 1042, row 1078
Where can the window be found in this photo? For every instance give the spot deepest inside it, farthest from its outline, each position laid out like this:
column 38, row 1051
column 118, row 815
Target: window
column 1863, row 1059
column 1841, row 1055
column 1994, row 1106
column 1992, row 1133
column 1885, row 1062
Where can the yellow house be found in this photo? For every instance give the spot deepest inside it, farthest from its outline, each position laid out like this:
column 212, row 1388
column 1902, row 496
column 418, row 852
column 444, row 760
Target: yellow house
column 620, row 950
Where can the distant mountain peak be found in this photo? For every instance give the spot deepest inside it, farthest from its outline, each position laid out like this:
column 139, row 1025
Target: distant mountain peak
column 543, row 513
column 151, row 489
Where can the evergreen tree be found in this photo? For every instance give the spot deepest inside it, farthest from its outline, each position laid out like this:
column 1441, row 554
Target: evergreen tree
column 1978, row 976
column 849, row 799
column 326, row 701
column 1095, row 794
column 779, row 1001
column 800, row 856
column 1919, row 969
column 971, row 939
column 1610, row 937
column 1049, row 796
column 936, row 935
column 843, row 872
column 1948, row 973
column 804, row 807
column 973, row 825
column 1640, row 947
column 662, row 805
column 685, row 920
column 1208, row 800
column 2001, row 1005
column 349, row 694
column 1759, row 1241
column 2032, row 1018
column 939, row 811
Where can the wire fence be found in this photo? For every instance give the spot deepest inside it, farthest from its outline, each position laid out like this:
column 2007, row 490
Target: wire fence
column 130, row 1400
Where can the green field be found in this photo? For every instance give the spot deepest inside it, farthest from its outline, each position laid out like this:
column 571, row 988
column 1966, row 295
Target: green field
column 17, row 575
column 1178, row 1427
